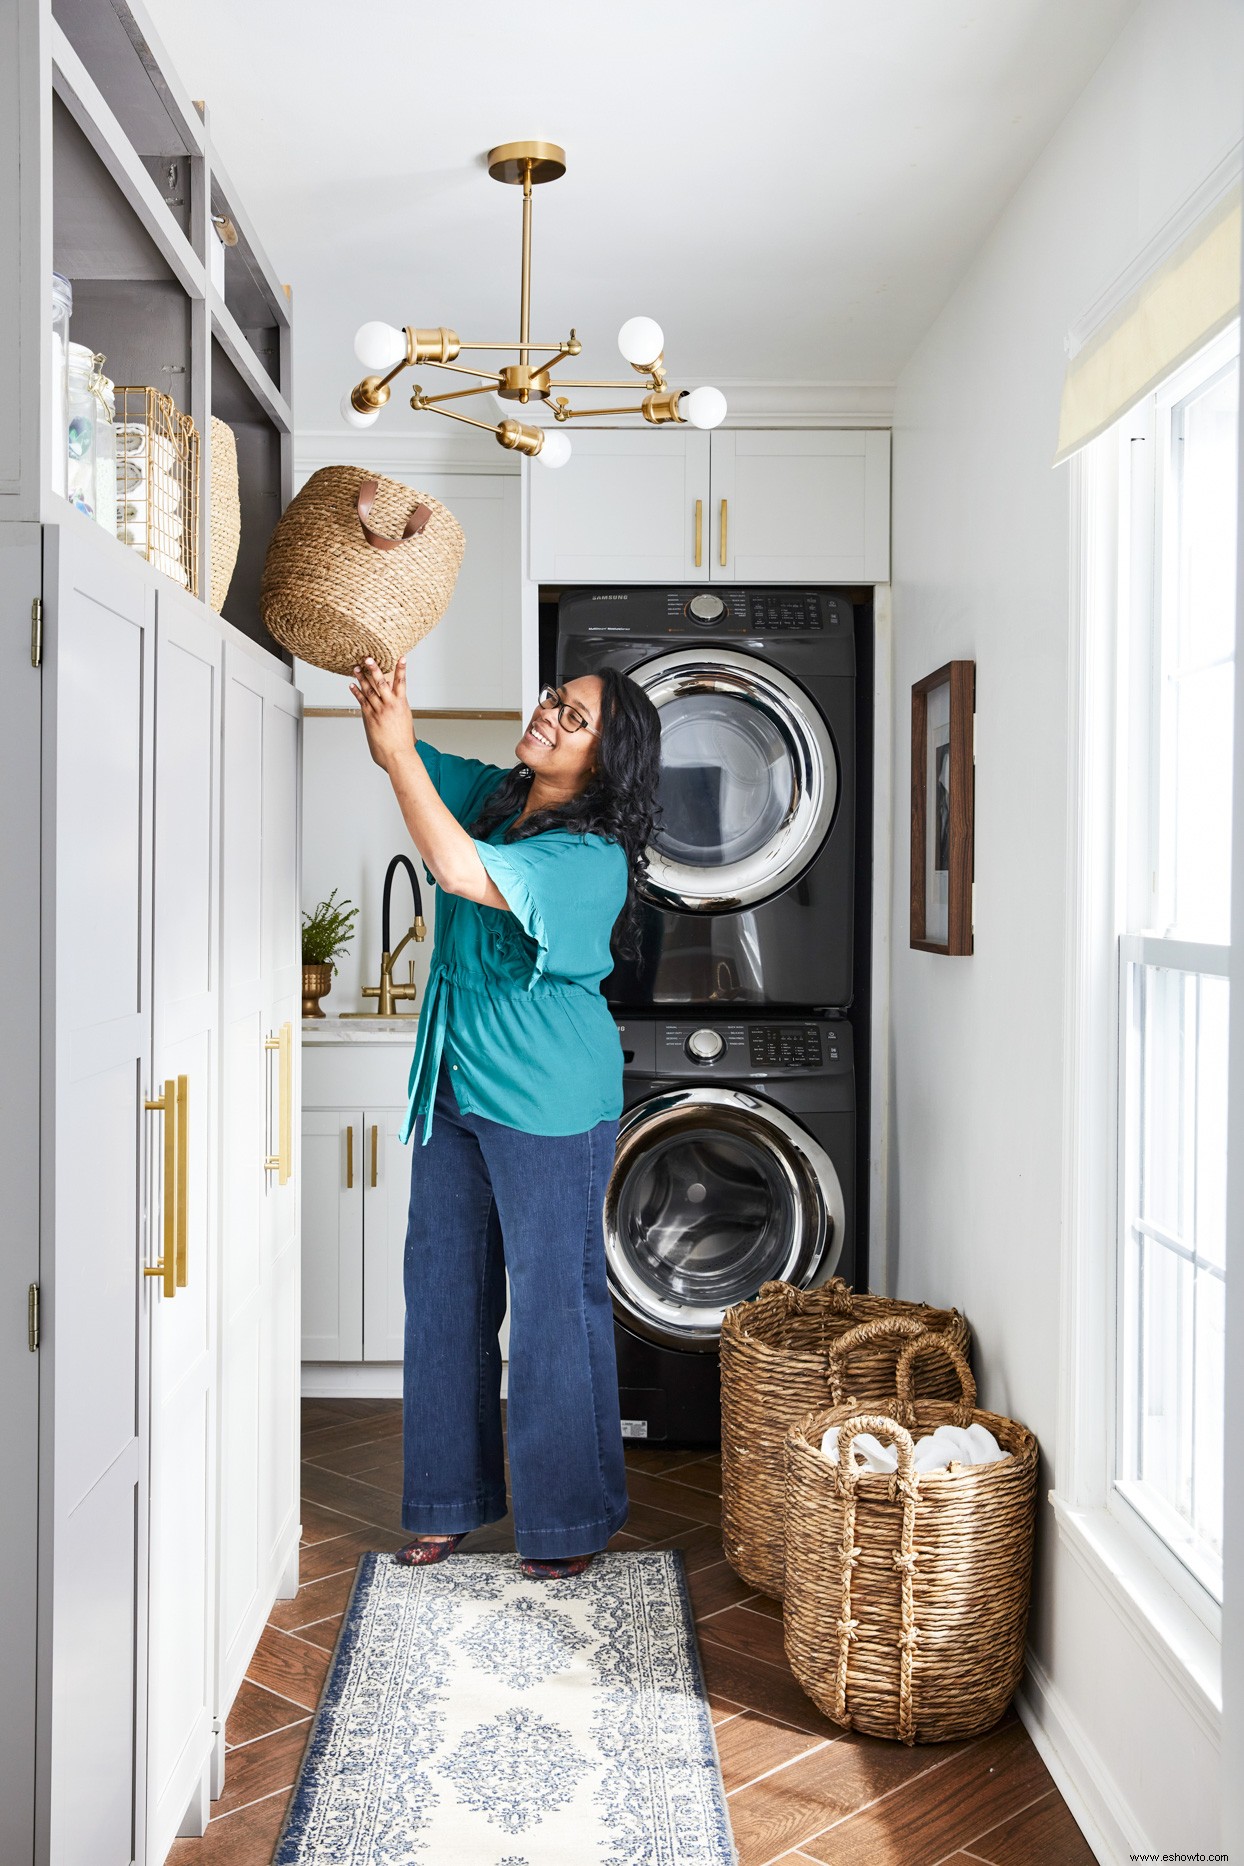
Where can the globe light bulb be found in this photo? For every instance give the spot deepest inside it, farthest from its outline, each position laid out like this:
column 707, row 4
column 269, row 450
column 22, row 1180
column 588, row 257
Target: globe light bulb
column 555, row 450
column 703, row 408
column 379, row 347
column 357, row 417
column 641, row 341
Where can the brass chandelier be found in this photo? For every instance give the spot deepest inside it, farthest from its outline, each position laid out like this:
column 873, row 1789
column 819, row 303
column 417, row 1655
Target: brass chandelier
column 385, row 350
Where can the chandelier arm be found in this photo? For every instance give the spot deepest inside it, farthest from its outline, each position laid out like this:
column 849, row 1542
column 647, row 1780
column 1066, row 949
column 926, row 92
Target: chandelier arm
column 452, row 414
column 454, row 395
column 587, row 382
column 524, row 317
column 519, row 346
column 579, row 414
column 481, row 375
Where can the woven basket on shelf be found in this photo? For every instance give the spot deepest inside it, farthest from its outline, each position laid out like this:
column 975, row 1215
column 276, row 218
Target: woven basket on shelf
column 774, row 1372
column 224, row 511
column 358, row 565
column 907, row 1592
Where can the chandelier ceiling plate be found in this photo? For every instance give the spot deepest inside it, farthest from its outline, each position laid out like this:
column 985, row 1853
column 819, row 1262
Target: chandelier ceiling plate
column 508, row 161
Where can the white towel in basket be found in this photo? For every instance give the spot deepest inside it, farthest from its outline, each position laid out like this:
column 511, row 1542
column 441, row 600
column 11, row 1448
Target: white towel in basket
column 948, row 1444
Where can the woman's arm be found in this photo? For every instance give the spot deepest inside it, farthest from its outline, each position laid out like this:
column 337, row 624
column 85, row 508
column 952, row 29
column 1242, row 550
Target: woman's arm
column 445, row 846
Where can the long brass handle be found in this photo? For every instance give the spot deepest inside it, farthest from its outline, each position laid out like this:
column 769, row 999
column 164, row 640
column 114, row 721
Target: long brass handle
column 183, row 1179
column 272, row 1161
column 699, row 533
column 350, row 1159
column 725, row 519
column 375, row 1141
column 285, row 1136
column 166, row 1105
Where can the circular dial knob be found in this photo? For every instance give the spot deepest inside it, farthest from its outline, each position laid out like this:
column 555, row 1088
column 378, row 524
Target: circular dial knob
column 705, row 1046
column 706, row 609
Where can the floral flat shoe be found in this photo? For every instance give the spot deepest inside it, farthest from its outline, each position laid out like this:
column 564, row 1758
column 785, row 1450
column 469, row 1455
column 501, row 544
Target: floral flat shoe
column 426, row 1549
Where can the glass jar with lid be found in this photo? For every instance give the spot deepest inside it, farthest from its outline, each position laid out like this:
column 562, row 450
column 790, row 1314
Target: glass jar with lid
column 83, row 412
column 105, row 451
column 62, row 307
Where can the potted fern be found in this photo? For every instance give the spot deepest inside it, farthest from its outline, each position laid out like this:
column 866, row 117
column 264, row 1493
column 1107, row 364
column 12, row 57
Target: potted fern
column 325, row 933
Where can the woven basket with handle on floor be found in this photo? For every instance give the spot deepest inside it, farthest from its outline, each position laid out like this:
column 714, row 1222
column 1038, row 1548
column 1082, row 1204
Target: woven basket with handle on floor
column 906, row 1604
column 358, row 565
column 775, row 1370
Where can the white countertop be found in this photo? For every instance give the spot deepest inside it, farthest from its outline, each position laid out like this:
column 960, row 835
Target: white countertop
column 319, row 1031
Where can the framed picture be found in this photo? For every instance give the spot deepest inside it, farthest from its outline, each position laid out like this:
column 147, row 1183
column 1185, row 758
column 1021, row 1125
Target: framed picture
column 943, row 787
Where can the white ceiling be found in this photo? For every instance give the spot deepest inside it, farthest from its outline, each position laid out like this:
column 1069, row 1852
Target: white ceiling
column 792, row 189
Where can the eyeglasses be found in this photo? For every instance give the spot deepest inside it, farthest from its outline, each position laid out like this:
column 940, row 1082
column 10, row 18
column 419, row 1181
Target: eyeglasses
column 569, row 718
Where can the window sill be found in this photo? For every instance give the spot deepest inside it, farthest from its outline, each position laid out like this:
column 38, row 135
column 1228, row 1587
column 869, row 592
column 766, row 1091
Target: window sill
column 1178, row 1642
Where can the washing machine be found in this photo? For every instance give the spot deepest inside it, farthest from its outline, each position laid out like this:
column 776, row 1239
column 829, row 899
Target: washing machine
column 735, row 1166
column 749, row 899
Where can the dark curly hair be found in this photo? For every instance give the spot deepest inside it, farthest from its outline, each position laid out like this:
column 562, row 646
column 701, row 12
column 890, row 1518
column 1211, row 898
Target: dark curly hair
column 619, row 800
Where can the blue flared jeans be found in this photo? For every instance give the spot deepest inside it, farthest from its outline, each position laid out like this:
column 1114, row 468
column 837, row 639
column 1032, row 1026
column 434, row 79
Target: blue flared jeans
column 485, row 1199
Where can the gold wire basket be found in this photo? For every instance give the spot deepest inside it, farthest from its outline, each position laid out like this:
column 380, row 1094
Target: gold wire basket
column 158, row 483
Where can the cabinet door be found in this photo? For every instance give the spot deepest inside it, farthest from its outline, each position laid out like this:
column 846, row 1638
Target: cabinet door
column 185, row 1001
column 801, row 505
column 386, row 1198
column 622, row 509
column 332, row 1235
column 471, row 659
column 97, row 1304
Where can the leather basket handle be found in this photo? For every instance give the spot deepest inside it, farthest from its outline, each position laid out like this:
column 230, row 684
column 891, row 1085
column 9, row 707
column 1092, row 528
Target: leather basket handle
column 414, row 524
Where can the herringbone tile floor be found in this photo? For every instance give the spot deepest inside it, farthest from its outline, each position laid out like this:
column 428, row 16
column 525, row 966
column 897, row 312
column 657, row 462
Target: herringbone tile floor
column 801, row 1792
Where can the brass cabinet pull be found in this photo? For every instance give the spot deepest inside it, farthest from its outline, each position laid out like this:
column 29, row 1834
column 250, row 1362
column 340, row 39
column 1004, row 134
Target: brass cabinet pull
column 282, row 1161
column 375, row 1140
column 350, row 1158
column 699, row 533
column 183, row 1179
column 166, row 1104
column 725, row 517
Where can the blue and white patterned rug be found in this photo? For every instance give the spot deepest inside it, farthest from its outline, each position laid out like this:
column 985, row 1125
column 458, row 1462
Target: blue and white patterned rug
column 472, row 1717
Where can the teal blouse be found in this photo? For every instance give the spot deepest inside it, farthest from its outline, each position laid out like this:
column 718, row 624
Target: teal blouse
column 513, row 1003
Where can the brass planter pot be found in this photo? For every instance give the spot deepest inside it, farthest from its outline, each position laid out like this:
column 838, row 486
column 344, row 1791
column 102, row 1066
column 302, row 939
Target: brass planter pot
column 317, row 982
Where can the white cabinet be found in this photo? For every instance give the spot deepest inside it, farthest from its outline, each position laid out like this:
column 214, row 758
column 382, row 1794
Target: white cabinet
column 470, row 662
column 737, row 506
column 356, row 1189
column 386, row 1204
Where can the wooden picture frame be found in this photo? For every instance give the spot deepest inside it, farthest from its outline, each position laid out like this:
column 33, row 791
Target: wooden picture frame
column 943, row 797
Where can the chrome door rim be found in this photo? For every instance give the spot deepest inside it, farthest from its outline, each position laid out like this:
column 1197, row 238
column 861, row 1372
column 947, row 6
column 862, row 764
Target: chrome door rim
column 813, row 1251
column 806, row 824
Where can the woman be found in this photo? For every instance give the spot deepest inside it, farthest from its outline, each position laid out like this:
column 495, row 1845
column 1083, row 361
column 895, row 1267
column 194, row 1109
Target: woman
column 515, row 1090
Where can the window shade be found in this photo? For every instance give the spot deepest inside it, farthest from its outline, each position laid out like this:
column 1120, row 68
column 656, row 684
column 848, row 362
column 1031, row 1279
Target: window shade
column 1188, row 299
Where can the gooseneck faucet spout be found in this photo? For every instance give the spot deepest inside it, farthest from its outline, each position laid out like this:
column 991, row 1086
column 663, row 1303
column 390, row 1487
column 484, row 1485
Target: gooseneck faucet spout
column 386, row 991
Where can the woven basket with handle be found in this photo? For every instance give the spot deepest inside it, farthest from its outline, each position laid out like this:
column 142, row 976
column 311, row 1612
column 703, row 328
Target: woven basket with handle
column 225, row 509
column 358, row 565
column 907, row 1592
column 775, row 1370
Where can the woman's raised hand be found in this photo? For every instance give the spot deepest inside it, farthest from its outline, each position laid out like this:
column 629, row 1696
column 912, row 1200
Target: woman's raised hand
column 386, row 713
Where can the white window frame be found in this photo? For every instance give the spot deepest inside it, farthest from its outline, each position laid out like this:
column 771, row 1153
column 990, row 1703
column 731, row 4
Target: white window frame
column 1177, row 1617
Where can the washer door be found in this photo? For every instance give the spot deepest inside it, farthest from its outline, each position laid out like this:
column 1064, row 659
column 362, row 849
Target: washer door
column 713, row 1193
column 749, row 779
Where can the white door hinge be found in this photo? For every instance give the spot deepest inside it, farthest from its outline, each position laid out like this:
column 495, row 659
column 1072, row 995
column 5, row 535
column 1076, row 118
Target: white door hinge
column 36, row 632
column 32, row 1317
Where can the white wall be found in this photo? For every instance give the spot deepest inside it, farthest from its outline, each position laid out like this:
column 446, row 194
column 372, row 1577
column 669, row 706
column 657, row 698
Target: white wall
column 981, row 571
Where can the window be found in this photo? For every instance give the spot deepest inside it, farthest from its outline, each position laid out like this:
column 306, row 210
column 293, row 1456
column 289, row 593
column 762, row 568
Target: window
column 1176, row 467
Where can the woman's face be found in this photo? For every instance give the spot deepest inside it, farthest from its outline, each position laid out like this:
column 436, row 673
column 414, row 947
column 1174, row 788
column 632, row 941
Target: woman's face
column 551, row 750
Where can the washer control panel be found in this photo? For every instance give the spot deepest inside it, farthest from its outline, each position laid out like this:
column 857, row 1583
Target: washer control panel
column 654, row 612
column 737, row 1052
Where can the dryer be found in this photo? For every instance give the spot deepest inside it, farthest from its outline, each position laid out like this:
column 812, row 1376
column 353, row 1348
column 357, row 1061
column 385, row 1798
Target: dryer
column 735, row 1166
column 749, row 899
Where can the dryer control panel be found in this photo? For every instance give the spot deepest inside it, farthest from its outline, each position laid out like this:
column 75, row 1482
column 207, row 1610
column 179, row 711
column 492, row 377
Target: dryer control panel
column 745, row 1050
column 684, row 612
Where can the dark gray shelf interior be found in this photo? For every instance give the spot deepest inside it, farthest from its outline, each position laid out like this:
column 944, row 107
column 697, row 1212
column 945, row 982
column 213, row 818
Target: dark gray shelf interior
column 259, row 490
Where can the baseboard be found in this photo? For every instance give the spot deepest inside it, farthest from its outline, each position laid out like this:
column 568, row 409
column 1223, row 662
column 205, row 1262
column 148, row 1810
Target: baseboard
column 1098, row 1806
column 362, row 1379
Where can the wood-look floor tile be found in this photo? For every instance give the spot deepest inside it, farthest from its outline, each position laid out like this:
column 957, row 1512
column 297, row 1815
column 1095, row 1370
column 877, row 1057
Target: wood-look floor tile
column 755, row 1634
column 700, row 1544
column 362, row 1502
column 656, row 1458
column 492, row 1539
column 379, row 1430
column 765, row 1603
column 257, row 1713
column 360, row 1459
column 974, row 1788
column 315, row 1600
column 784, row 1811
column 258, row 1769
column 715, row 1586
column 321, row 1525
column 323, row 1632
column 1044, row 1834
column 701, row 1474
column 751, row 1745
column 342, row 1552
column 654, row 1524
column 700, row 1506
column 247, row 1838
column 733, row 1678
column 290, row 1666
column 623, row 1539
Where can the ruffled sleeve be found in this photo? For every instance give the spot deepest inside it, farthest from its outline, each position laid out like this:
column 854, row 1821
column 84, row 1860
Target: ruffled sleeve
column 565, row 892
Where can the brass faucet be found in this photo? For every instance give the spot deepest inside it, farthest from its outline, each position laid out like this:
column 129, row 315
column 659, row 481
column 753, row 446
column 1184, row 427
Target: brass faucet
column 389, row 994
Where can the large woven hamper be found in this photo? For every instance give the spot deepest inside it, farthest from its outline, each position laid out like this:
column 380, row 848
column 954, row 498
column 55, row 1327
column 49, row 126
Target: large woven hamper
column 907, row 1593
column 774, row 1372
column 358, row 565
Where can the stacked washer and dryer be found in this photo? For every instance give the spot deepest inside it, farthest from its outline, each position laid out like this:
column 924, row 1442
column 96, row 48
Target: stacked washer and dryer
column 738, row 1145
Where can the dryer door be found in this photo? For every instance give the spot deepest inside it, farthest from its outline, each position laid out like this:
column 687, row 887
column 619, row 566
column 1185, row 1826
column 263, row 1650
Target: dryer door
column 714, row 1191
column 749, row 779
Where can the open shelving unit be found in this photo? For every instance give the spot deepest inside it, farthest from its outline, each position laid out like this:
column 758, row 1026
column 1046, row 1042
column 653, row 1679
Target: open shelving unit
column 136, row 193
